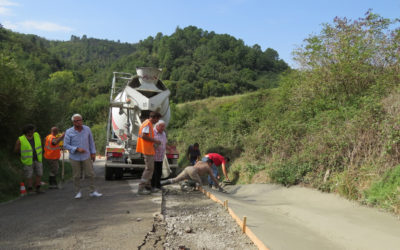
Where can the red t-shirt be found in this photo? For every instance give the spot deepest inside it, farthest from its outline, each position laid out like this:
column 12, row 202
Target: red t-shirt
column 217, row 158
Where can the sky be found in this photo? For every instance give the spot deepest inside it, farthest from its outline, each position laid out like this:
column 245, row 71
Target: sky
column 279, row 24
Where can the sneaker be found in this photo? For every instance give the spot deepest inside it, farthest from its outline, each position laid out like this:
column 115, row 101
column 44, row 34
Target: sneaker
column 78, row 195
column 155, row 190
column 95, row 194
column 143, row 191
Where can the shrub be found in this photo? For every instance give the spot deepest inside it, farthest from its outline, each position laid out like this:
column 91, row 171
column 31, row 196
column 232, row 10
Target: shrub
column 290, row 173
column 386, row 191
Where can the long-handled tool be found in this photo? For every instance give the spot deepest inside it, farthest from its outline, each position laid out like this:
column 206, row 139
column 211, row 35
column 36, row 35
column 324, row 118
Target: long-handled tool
column 62, row 169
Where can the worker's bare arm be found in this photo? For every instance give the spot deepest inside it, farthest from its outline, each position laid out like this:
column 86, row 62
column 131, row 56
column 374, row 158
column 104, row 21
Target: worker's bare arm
column 224, row 171
column 58, row 139
column 147, row 137
column 17, row 148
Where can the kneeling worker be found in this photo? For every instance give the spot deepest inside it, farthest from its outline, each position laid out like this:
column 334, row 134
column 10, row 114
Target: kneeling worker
column 193, row 173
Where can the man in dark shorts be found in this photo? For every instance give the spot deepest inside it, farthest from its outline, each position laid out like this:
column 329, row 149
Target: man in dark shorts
column 193, row 153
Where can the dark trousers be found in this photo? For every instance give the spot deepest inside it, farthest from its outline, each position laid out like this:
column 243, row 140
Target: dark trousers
column 155, row 181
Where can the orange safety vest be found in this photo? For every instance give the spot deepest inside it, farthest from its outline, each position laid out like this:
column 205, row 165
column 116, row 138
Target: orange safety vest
column 51, row 152
column 143, row 146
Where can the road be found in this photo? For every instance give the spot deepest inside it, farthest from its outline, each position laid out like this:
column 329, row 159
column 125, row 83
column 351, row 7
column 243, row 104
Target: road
column 283, row 218
column 301, row 218
column 55, row 220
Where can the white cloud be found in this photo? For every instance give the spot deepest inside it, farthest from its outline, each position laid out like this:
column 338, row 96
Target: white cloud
column 32, row 26
column 8, row 3
column 10, row 25
column 4, row 11
column 43, row 26
column 4, row 7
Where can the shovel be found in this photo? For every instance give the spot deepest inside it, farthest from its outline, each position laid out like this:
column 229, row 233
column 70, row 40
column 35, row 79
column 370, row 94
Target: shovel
column 62, row 170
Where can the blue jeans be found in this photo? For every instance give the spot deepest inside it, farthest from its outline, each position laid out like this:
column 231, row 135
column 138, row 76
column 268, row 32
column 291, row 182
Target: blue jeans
column 214, row 171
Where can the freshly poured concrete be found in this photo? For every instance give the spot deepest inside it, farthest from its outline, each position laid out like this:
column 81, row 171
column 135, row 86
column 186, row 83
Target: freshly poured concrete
column 302, row 218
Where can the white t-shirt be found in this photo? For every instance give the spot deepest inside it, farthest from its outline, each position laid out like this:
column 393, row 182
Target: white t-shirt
column 146, row 130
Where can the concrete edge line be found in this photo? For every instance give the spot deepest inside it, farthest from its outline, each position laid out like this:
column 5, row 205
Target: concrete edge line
column 247, row 230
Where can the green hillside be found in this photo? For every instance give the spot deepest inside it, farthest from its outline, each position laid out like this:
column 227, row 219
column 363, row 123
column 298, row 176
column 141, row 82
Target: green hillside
column 44, row 82
column 334, row 125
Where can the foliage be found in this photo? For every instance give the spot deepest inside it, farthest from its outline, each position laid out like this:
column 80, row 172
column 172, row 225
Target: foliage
column 348, row 57
column 11, row 175
column 386, row 191
column 332, row 125
column 199, row 64
column 100, row 137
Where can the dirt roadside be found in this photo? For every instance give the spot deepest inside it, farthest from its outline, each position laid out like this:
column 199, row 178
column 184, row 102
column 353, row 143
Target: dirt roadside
column 192, row 221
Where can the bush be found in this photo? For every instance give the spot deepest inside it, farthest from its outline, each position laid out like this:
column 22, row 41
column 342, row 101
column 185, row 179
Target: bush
column 11, row 175
column 290, row 173
column 386, row 192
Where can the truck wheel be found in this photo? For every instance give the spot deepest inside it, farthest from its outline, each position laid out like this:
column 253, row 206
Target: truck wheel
column 119, row 173
column 109, row 174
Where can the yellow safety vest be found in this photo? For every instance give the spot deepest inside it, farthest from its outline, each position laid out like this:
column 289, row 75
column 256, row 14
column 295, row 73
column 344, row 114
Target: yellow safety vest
column 26, row 149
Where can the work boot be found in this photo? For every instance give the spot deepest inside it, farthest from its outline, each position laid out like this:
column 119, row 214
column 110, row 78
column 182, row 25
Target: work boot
column 166, row 182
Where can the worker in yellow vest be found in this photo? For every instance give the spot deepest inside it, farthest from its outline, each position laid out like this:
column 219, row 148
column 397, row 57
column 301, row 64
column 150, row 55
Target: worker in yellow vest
column 29, row 146
column 145, row 145
column 52, row 153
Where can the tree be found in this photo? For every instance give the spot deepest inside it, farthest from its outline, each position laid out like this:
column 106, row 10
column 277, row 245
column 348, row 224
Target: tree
column 348, row 57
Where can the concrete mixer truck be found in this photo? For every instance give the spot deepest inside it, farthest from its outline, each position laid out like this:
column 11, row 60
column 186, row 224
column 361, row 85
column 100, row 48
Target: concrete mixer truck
column 132, row 99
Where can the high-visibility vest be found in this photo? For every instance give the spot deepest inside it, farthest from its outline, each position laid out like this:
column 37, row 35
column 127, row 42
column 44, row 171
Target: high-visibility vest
column 26, row 149
column 143, row 146
column 52, row 152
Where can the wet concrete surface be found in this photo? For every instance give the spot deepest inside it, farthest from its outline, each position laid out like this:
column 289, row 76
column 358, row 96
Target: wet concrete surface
column 302, row 218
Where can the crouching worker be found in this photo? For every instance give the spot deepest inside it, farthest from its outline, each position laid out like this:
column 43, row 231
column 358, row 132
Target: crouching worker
column 193, row 173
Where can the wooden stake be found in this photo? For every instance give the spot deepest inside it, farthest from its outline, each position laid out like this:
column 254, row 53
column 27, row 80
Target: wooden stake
column 244, row 224
column 226, row 204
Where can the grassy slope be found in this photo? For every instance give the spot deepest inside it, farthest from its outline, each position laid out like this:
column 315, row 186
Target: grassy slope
column 11, row 175
column 352, row 149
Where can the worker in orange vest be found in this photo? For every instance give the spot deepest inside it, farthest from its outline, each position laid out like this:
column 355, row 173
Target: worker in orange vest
column 145, row 145
column 52, row 153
